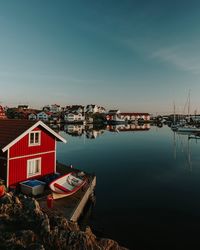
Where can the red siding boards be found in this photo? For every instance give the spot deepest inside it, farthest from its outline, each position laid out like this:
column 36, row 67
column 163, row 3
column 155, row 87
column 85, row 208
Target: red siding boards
column 20, row 152
column 18, row 167
column 22, row 148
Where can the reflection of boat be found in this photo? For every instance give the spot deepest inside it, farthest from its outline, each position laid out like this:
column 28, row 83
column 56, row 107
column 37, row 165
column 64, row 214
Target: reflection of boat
column 67, row 184
column 116, row 120
column 188, row 129
column 185, row 148
column 189, row 155
column 195, row 136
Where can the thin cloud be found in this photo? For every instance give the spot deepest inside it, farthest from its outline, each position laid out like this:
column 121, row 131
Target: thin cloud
column 47, row 77
column 178, row 59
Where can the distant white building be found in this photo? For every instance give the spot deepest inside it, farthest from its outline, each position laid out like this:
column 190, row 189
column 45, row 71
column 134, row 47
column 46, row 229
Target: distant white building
column 74, row 117
column 75, row 109
column 91, row 108
column 55, row 108
column 32, row 117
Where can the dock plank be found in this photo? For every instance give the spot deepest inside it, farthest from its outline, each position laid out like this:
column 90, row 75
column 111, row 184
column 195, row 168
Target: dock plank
column 72, row 206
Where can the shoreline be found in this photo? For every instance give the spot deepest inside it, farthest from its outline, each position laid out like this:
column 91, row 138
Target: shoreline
column 24, row 225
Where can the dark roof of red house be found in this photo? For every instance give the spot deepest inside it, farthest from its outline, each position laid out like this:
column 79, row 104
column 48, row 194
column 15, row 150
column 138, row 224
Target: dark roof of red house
column 12, row 129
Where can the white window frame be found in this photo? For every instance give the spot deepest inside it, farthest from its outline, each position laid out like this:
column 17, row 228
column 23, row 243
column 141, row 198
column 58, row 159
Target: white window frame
column 34, row 143
column 33, row 162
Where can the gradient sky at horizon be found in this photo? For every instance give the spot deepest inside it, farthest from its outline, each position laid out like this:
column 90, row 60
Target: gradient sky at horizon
column 138, row 56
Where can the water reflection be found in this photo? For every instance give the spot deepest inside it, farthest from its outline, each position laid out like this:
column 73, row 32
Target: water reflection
column 158, row 168
column 74, row 130
column 92, row 131
column 128, row 127
column 182, row 144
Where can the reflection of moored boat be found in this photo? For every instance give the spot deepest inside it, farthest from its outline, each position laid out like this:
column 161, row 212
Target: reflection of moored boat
column 117, row 120
column 188, row 129
column 67, row 184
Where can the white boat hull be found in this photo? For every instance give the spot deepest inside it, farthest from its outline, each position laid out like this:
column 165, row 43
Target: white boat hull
column 188, row 129
column 67, row 185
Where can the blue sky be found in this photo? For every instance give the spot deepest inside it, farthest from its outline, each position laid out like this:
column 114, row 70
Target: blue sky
column 138, row 56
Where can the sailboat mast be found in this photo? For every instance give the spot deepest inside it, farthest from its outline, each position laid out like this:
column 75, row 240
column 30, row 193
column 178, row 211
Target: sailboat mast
column 174, row 112
column 189, row 106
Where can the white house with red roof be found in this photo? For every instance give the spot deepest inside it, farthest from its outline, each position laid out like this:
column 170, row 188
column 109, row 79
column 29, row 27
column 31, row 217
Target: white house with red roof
column 74, row 117
column 135, row 116
column 27, row 150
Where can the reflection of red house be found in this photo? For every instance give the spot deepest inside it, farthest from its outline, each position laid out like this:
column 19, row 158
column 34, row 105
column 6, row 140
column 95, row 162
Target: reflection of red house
column 28, row 150
column 128, row 127
column 2, row 113
column 127, row 116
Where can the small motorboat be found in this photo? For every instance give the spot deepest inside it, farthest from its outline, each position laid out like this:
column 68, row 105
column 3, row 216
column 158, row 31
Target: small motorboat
column 67, row 185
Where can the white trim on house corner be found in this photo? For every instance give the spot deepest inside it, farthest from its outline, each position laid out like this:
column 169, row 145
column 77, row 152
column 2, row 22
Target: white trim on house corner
column 55, row 160
column 32, row 155
column 7, row 171
column 39, row 123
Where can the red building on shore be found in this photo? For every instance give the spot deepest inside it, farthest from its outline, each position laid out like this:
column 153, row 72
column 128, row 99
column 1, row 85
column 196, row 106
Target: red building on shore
column 27, row 150
column 2, row 113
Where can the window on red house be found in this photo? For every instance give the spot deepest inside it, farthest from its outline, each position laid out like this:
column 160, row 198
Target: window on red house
column 34, row 138
column 33, row 167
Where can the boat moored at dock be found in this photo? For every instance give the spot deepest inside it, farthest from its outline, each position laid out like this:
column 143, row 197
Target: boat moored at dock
column 67, row 185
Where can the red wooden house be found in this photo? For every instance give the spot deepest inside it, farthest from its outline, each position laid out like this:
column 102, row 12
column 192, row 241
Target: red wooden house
column 27, row 150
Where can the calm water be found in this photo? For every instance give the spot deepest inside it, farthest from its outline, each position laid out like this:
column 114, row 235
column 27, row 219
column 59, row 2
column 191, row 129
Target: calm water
column 148, row 186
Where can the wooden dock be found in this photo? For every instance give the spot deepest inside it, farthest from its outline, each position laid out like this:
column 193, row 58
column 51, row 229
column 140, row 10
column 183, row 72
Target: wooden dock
column 70, row 207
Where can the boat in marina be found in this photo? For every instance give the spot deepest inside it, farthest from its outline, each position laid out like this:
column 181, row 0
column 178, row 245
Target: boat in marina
column 175, row 125
column 67, row 185
column 188, row 129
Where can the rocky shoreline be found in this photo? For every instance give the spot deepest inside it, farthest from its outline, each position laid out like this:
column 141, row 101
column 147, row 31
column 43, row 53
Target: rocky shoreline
column 23, row 225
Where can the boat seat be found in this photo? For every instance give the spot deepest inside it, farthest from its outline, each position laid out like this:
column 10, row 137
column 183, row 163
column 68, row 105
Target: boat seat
column 61, row 187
